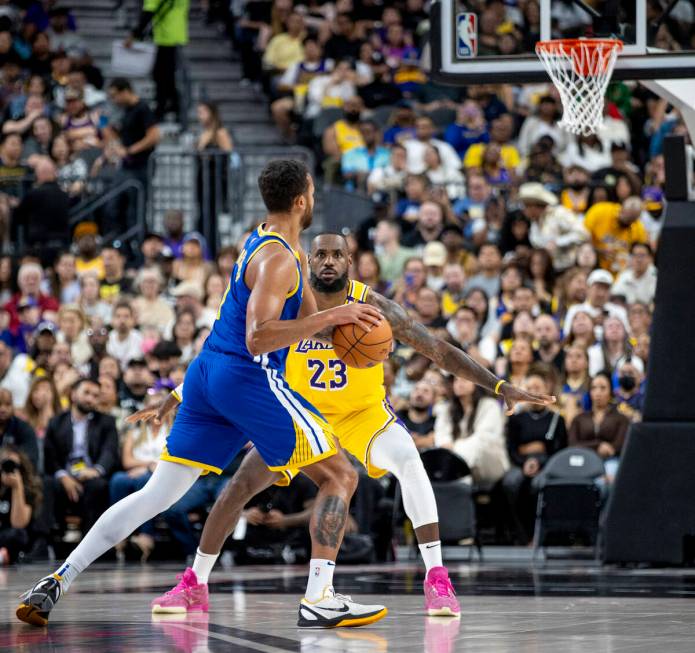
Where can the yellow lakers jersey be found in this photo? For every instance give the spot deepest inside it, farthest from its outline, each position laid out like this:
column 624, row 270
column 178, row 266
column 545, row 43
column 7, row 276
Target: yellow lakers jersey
column 315, row 372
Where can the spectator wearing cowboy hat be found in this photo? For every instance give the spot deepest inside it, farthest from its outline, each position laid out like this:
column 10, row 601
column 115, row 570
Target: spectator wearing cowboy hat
column 434, row 258
column 189, row 296
column 553, row 227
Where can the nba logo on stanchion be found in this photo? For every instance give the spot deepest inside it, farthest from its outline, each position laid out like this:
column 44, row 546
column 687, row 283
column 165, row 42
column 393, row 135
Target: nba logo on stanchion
column 466, row 35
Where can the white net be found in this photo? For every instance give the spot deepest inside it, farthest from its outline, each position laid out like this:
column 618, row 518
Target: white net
column 581, row 70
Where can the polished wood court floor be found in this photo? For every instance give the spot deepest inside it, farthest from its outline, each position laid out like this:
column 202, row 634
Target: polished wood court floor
column 512, row 607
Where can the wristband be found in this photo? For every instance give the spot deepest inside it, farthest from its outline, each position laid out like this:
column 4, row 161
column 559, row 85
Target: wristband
column 499, row 385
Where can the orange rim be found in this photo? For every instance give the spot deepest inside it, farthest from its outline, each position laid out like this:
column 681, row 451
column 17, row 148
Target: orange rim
column 568, row 47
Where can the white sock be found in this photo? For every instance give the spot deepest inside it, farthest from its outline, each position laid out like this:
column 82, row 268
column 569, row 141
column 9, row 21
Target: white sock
column 203, row 564
column 67, row 573
column 431, row 554
column 320, row 577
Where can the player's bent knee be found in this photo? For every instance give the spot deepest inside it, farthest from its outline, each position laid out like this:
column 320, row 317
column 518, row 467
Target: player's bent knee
column 412, row 468
column 337, row 470
column 348, row 477
column 240, row 489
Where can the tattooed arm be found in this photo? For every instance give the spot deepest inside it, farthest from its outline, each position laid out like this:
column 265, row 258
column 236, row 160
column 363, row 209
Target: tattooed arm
column 447, row 357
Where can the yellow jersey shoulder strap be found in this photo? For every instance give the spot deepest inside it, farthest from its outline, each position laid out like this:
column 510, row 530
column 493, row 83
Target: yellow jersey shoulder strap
column 357, row 292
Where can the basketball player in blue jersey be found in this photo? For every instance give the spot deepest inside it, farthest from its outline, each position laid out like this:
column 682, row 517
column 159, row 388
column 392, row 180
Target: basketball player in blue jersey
column 355, row 403
column 235, row 392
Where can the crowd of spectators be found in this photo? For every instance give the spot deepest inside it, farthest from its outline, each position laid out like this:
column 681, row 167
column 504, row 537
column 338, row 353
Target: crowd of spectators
column 531, row 249
column 65, row 134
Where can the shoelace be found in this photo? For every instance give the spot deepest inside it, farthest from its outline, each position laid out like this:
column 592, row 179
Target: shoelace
column 180, row 585
column 342, row 597
column 27, row 593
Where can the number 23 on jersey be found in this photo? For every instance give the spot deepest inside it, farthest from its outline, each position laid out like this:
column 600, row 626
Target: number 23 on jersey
column 327, row 376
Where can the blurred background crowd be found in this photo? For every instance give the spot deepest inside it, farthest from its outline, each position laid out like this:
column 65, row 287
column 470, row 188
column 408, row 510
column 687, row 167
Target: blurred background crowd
column 533, row 250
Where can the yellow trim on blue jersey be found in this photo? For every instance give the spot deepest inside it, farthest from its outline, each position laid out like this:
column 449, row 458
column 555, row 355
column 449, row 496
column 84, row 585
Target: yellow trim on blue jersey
column 189, row 463
column 177, row 396
column 224, row 297
column 280, row 241
column 263, row 232
column 286, row 480
column 296, row 286
column 305, row 463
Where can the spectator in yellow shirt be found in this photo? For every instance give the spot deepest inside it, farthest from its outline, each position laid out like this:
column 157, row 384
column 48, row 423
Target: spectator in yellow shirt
column 614, row 228
column 501, row 131
column 286, row 49
column 88, row 258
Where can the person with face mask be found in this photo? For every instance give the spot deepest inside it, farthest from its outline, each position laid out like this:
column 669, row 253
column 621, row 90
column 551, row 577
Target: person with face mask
column 434, row 258
column 630, row 390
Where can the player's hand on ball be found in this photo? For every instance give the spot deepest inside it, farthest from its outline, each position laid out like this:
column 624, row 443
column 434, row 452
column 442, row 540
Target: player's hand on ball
column 363, row 315
column 513, row 395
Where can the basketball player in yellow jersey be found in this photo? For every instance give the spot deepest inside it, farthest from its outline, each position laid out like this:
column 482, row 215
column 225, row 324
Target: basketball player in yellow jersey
column 354, row 403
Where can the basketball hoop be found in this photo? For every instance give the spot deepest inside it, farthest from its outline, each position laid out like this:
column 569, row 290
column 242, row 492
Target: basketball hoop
column 581, row 70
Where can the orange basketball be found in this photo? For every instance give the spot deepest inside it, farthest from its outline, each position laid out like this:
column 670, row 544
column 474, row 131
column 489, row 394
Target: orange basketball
column 359, row 348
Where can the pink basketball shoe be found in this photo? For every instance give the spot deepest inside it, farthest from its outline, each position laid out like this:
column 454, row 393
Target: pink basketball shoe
column 188, row 596
column 440, row 598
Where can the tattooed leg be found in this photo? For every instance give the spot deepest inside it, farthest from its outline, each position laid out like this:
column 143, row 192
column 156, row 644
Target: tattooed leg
column 328, row 521
column 336, row 480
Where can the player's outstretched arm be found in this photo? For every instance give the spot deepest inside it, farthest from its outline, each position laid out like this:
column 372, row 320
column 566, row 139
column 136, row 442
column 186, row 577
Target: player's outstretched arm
column 449, row 358
column 271, row 275
column 159, row 411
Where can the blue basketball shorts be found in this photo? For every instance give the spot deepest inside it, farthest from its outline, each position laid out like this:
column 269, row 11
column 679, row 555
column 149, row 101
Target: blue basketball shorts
column 229, row 401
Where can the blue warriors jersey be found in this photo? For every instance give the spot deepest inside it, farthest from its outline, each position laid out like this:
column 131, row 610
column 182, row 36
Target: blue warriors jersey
column 228, row 334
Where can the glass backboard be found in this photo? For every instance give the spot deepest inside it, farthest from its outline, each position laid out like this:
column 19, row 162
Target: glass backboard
column 491, row 41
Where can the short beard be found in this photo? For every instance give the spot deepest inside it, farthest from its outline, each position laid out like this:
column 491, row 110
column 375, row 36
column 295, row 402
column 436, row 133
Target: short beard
column 334, row 286
column 84, row 408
